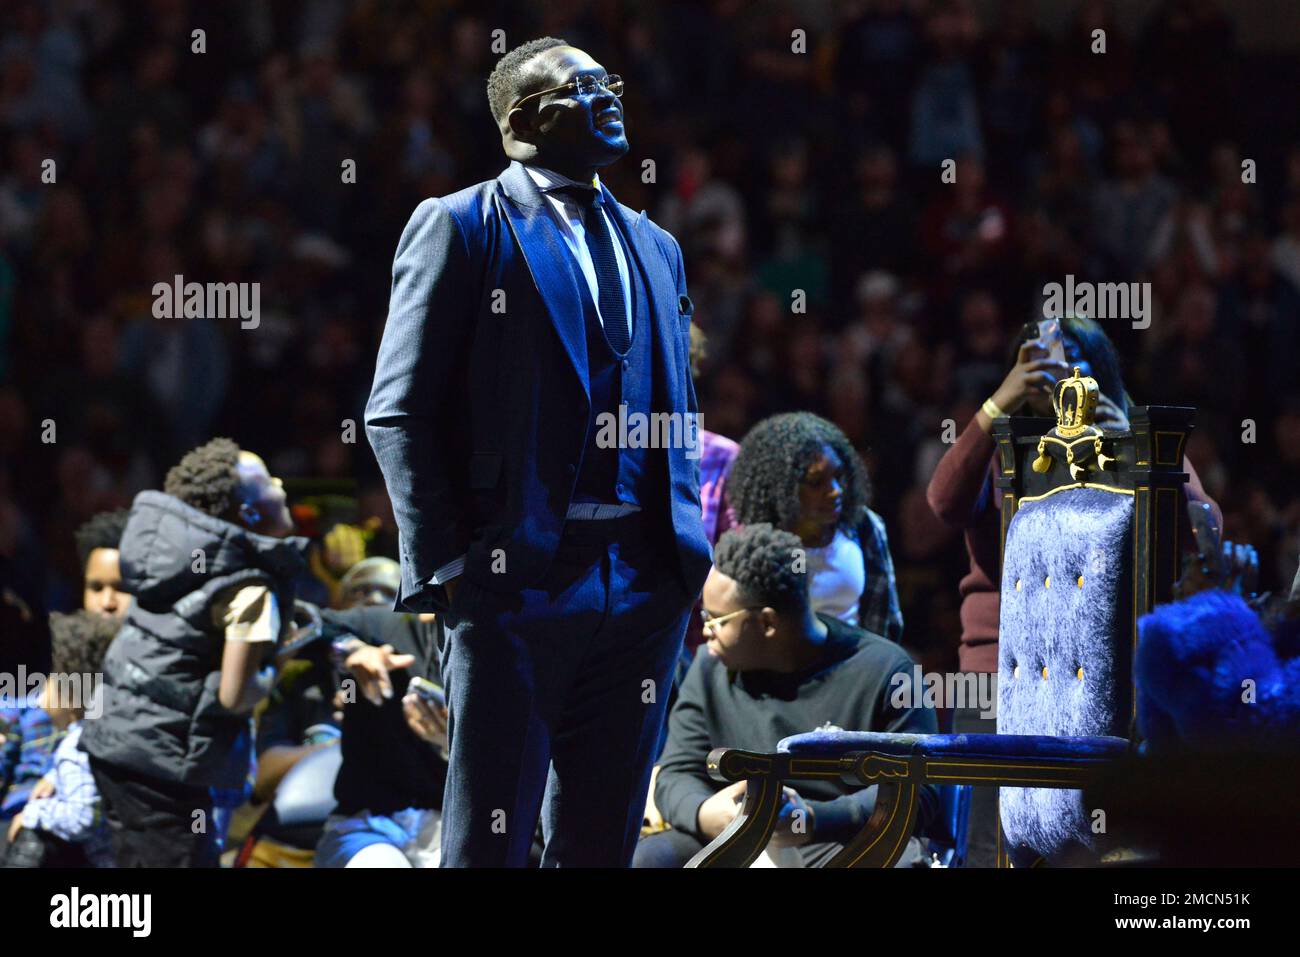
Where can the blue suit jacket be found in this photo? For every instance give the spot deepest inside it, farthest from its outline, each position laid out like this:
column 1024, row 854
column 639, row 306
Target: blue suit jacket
column 478, row 414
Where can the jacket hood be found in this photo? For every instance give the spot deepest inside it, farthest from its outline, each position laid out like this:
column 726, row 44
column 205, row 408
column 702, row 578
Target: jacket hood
column 161, row 538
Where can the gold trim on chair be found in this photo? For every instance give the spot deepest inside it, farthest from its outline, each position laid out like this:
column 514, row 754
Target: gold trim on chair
column 1066, row 488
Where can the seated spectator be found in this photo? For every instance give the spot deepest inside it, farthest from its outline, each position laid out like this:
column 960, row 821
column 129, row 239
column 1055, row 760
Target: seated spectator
column 389, row 789
column 371, row 581
column 62, row 824
column 27, row 736
column 98, row 542
column 800, row 473
column 773, row 668
column 299, row 719
column 28, row 740
column 307, row 711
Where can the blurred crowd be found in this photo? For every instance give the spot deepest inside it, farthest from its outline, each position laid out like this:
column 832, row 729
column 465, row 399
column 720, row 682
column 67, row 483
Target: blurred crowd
column 832, row 268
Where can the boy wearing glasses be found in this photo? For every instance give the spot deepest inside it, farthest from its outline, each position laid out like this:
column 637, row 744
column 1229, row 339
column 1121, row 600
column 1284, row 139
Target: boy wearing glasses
column 528, row 314
column 773, row 668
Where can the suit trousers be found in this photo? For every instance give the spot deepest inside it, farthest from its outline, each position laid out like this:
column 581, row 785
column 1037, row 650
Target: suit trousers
column 557, row 697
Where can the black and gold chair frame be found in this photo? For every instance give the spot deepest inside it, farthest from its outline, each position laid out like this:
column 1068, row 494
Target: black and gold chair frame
column 899, row 765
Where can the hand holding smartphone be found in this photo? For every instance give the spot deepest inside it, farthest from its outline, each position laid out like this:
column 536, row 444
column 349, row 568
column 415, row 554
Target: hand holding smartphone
column 428, row 691
column 1049, row 334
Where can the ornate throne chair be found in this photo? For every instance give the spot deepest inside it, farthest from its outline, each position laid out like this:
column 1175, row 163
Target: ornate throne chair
column 1090, row 542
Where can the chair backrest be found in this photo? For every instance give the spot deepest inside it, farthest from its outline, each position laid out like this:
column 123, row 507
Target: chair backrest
column 1063, row 663
column 1090, row 542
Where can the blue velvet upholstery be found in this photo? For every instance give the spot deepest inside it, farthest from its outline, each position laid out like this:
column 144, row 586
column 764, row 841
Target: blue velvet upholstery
column 831, row 744
column 1063, row 661
column 1194, row 658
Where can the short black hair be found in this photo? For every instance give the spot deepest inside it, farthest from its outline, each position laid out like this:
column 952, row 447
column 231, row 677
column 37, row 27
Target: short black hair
column 207, row 478
column 79, row 640
column 506, row 82
column 101, row 531
column 763, row 485
column 769, row 566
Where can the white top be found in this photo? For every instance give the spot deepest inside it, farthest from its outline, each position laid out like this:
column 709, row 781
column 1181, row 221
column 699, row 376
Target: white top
column 248, row 613
column 837, row 577
column 569, row 214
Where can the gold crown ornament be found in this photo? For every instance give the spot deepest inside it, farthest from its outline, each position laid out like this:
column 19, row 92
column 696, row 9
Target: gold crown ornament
column 1075, row 402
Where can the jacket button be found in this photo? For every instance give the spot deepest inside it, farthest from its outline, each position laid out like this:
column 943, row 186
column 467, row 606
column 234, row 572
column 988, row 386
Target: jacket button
column 571, row 469
column 626, row 365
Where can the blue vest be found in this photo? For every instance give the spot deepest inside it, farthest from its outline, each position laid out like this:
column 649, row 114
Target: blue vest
column 619, row 472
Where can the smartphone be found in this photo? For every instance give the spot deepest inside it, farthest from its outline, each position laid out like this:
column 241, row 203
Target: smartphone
column 427, row 690
column 1049, row 334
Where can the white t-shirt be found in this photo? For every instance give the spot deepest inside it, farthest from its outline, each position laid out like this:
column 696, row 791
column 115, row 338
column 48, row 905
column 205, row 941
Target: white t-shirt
column 248, row 613
column 837, row 577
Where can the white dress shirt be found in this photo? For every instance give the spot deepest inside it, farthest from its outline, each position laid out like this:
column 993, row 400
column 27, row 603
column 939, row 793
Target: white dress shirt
column 569, row 215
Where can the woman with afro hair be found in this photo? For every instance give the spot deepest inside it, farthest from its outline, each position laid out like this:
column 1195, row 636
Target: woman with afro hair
column 800, row 473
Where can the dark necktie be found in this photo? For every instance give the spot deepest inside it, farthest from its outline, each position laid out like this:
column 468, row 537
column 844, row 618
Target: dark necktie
column 600, row 245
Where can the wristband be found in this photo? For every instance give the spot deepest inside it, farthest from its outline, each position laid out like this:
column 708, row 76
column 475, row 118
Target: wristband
column 990, row 408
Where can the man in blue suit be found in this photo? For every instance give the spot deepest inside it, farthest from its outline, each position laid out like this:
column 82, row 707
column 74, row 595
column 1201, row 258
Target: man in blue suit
column 535, row 420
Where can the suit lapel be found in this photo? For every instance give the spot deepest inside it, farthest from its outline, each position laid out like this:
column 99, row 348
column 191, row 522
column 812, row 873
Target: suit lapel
column 650, row 259
column 556, row 277
column 549, row 262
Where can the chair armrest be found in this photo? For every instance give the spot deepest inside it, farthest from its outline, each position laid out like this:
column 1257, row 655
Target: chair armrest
column 1024, row 760
column 748, row 833
column 900, row 765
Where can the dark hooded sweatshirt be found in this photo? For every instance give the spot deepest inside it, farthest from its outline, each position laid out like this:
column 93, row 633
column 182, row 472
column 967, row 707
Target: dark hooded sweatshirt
column 160, row 715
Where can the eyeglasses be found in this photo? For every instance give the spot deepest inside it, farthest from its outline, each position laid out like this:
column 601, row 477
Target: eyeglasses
column 712, row 623
column 584, row 85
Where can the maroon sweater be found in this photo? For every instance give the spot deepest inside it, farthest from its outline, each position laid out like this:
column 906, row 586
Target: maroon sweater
column 961, row 494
